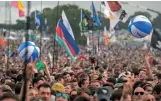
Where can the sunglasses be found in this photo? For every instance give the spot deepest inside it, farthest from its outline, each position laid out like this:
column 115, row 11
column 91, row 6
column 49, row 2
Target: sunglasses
column 65, row 96
column 137, row 93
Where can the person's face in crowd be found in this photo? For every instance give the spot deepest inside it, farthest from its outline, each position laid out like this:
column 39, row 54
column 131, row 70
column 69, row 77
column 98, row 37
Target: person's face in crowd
column 75, row 84
column 96, row 84
column 155, row 79
column 61, row 97
column 61, row 81
column 77, row 70
column 149, row 97
column 38, row 83
column 7, row 81
column 32, row 93
column 67, row 78
column 86, row 83
column 142, row 75
column 104, row 75
column 148, row 89
column 138, row 94
column 44, row 93
column 55, row 70
column 68, row 89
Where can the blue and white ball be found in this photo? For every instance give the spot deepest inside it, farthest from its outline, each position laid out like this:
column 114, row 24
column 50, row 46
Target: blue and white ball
column 140, row 26
column 27, row 50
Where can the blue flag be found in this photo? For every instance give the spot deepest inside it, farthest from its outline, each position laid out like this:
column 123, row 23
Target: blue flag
column 38, row 20
column 95, row 18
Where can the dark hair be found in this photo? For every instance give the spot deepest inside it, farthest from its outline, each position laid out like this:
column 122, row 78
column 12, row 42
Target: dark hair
column 81, row 98
column 66, row 73
column 116, row 95
column 18, row 88
column 19, row 77
column 35, row 80
column 45, row 85
column 9, row 95
column 58, row 77
column 159, row 76
column 157, row 89
column 81, row 82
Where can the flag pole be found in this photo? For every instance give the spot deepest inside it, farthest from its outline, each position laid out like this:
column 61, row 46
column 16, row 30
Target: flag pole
column 92, row 32
column 41, row 33
column 26, row 50
column 8, row 42
column 55, row 46
column 99, row 37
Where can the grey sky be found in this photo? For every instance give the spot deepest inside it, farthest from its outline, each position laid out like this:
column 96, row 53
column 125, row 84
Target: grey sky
column 155, row 5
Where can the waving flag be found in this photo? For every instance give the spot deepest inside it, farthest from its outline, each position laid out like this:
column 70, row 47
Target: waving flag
column 19, row 6
column 85, row 22
column 156, row 39
column 113, row 10
column 67, row 25
column 2, row 42
column 38, row 20
column 95, row 18
column 64, row 38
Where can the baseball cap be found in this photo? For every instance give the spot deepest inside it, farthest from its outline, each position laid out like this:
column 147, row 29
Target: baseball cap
column 103, row 93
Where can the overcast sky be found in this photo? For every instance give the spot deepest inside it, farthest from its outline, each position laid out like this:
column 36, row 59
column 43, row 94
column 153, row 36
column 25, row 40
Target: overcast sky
column 155, row 5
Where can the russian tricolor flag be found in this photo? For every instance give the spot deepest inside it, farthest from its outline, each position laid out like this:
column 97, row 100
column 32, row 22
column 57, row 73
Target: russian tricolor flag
column 65, row 39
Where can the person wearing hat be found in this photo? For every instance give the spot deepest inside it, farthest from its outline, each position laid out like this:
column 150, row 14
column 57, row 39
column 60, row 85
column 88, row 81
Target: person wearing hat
column 102, row 94
column 58, row 87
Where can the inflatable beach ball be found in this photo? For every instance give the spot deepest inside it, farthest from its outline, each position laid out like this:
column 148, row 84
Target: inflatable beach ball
column 140, row 26
column 27, row 50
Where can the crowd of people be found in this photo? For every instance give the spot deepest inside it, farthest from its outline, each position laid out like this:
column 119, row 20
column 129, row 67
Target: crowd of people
column 113, row 73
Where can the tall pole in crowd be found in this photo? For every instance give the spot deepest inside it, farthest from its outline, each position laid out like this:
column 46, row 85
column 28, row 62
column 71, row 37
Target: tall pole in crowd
column 26, row 50
column 41, row 32
column 55, row 46
column 8, row 21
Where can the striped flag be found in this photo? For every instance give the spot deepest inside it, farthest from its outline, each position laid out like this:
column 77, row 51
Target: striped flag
column 38, row 20
column 67, row 25
column 64, row 38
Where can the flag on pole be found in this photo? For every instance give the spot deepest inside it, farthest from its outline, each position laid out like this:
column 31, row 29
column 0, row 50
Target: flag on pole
column 113, row 10
column 156, row 39
column 19, row 6
column 85, row 23
column 2, row 42
column 64, row 38
column 95, row 17
column 67, row 24
column 106, row 39
column 38, row 20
